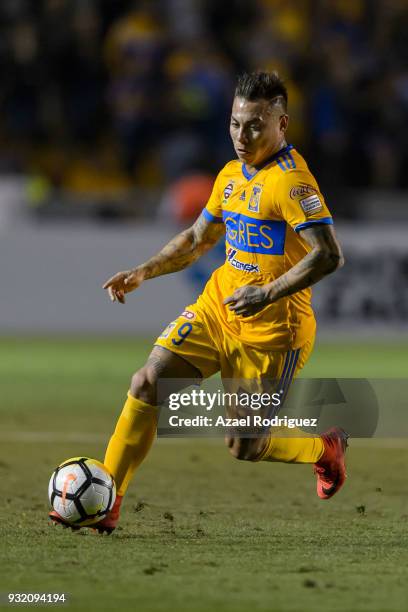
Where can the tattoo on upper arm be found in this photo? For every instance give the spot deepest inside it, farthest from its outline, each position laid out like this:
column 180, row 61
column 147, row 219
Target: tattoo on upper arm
column 207, row 233
column 324, row 258
column 320, row 235
column 322, row 239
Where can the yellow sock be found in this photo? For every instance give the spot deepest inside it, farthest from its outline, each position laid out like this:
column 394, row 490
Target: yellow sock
column 305, row 449
column 131, row 441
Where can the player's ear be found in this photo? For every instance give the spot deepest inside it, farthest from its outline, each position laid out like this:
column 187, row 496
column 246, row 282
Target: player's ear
column 284, row 122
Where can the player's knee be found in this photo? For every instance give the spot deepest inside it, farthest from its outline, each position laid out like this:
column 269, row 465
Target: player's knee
column 143, row 385
column 244, row 449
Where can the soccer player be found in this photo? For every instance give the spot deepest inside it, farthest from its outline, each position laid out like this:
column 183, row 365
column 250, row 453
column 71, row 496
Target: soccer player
column 254, row 318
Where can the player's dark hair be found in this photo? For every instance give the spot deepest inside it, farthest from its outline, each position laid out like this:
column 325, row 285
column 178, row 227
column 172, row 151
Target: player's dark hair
column 262, row 86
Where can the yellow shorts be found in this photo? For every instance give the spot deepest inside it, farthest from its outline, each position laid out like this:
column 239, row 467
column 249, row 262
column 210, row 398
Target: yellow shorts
column 196, row 337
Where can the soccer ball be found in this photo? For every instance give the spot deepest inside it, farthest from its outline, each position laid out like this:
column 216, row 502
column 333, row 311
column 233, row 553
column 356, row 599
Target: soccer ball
column 82, row 491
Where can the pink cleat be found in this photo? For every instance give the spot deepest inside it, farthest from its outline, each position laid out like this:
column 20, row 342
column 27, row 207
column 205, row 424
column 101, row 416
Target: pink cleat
column 109, row 523
column 106, row 525
column 331, row 468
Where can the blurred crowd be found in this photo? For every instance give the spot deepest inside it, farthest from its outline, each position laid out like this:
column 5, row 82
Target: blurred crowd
column 106, row 94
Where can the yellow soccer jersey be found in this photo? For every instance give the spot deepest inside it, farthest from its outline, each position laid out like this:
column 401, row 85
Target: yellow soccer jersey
column 263, row 213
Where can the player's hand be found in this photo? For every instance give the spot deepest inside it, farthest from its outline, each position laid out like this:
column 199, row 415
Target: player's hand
column 123, row 282
column 248, row 300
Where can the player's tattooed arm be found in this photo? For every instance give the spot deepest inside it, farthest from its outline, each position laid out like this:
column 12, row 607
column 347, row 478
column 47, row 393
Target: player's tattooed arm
column 324, row 258
column 183, row 250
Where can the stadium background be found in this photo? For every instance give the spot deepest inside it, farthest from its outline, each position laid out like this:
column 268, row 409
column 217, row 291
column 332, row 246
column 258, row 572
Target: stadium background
column 113, row 124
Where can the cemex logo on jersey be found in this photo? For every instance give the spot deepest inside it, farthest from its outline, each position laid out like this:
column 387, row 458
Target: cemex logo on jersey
column 240, row 265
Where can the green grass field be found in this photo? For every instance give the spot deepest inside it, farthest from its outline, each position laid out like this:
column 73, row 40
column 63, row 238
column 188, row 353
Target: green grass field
column 200, row 531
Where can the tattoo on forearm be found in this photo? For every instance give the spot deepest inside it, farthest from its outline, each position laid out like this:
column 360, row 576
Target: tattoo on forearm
column 184, row 249
column 176, row 255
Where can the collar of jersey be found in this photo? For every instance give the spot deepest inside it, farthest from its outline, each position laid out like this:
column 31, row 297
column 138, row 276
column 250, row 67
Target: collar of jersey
column 249, row 176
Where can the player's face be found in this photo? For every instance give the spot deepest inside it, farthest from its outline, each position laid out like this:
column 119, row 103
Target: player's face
column 257, row 129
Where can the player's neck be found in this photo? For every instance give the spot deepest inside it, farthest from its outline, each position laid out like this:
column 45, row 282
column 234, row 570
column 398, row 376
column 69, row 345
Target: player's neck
column 252, row 169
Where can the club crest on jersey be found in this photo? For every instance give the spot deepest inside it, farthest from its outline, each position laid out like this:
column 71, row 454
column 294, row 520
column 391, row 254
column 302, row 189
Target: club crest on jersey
column 255, row 199
column 240, row 265
column 228, row 190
